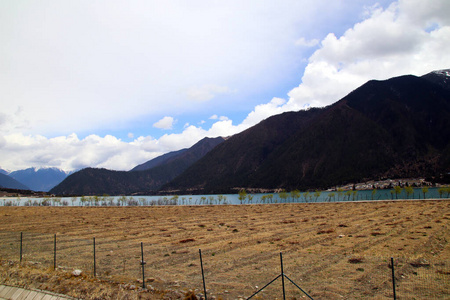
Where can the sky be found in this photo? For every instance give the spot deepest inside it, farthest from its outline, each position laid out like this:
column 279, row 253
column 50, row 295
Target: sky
column 112, row 84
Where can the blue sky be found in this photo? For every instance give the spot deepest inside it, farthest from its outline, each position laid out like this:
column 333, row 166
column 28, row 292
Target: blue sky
column 115, row 83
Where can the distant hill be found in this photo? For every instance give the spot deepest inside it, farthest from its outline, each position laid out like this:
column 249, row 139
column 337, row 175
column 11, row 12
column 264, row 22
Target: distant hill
column 384, row 129
column 42, row 179
column 143, row 179
column 10, row 183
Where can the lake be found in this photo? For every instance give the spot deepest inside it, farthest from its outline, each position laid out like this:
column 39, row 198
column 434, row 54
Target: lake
column 302, row 197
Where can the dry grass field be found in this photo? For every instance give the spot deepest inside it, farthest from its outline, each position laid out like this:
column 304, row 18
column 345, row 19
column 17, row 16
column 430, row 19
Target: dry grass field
column 331, row 250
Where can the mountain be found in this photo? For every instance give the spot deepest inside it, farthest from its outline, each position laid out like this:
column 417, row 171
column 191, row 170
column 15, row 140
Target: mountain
column 441, row 77
column 143, row 179
column 159, row 160
column 39, row 179
column 10, row 183
column 394, row 128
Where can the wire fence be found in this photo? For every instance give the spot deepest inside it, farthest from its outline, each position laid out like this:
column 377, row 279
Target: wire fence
column 220, row 274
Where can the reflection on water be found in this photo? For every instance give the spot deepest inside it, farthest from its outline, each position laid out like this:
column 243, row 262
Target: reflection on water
column 283, row 197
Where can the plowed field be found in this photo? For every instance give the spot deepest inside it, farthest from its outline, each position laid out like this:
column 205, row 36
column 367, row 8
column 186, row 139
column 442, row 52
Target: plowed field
column 330, row 250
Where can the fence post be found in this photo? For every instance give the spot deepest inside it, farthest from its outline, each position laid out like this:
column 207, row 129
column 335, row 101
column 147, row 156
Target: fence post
column 282, row 276
column 21, row 239
column 95, row 268
column 393, row 278
column 54, row 253
column 142, row 264
column 203, row 274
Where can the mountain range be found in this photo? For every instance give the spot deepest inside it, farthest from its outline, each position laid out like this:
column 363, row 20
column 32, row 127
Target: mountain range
column 394, row 128
column 35, row 179
column 10, row 183
column 143, row 179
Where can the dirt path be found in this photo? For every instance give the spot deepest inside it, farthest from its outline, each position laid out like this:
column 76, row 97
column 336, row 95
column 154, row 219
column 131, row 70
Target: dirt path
column 16, row 293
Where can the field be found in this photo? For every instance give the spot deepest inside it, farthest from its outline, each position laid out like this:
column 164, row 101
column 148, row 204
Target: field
column 331, row 250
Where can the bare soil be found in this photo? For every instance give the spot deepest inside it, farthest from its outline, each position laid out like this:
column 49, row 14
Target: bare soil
column 330, row 250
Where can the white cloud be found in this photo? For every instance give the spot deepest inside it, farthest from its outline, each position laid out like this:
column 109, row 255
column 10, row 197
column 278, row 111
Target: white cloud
column 302, row 42
column 71, row 153
column 165, row 123
column 407, row 37
column 81, row 66
column 221, row 118
column 206, row 92
column 388, row 43
column 263, row 111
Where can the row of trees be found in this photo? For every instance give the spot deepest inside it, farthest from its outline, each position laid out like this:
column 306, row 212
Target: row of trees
column 244, row 198
column 342, row 195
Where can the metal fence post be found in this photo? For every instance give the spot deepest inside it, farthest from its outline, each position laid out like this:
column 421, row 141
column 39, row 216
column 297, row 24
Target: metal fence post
column 21, row 240
column 54, row 253
column 95, row 267
column 142, row 264
column 393, row 278
column 203, row 274
column 282, row 276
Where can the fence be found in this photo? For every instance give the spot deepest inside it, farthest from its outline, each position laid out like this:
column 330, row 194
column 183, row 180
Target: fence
column 228, row 277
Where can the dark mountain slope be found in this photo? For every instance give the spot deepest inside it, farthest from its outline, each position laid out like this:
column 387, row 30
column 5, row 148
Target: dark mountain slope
column 337, row 147
column 440, row 77
column 393, row 128
column 10, row 183
column 235, row 160
column 92, row 181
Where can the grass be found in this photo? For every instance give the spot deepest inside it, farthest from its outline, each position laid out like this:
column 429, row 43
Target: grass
column 332, row 250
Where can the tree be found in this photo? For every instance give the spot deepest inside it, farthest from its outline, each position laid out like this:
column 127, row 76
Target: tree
column 263, row 198
column 374, row 191
column 397, row 191
column 444, row 190
column 295, row 194
column 306, row 195
column 121, row 201
column 317, row 194
column 331, row 195
column 409, row 191
column 348, row 194
column 424, row 191
column 242, row 195
column 283, row 195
